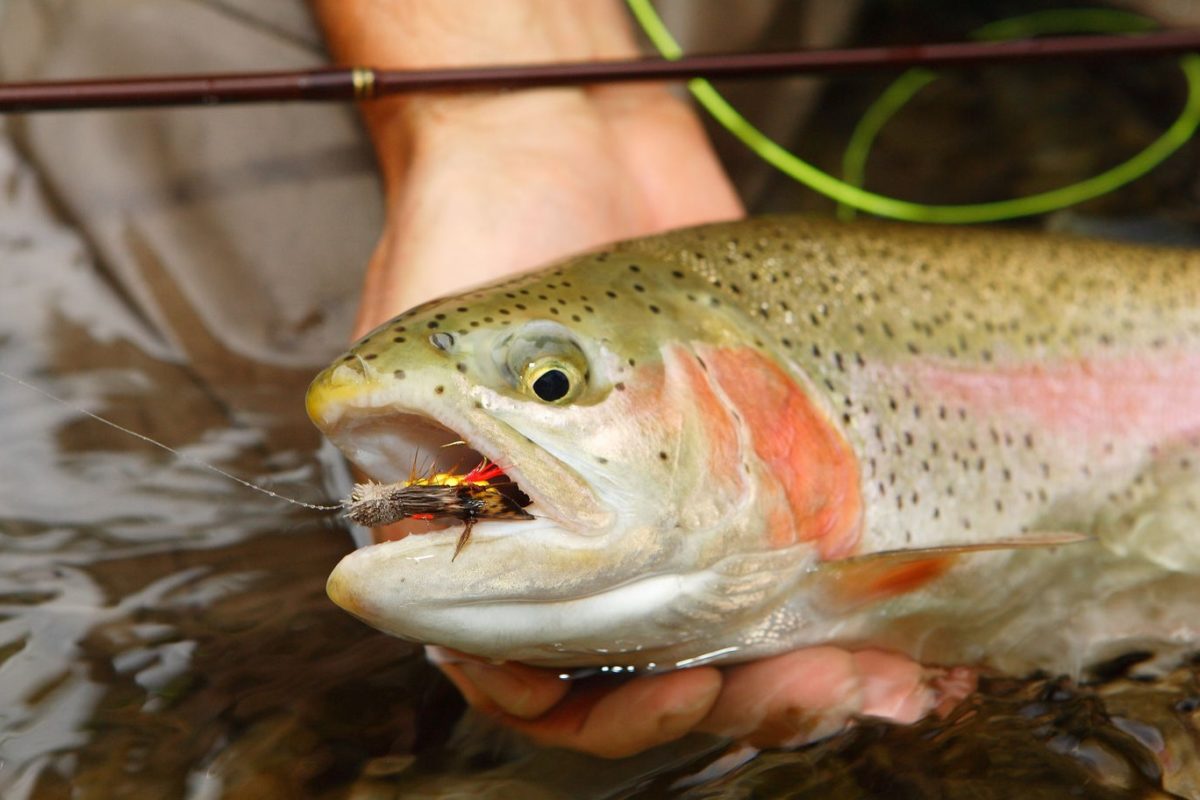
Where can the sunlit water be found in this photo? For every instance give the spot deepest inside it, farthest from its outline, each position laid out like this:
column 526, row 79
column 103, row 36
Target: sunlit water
column 165, row 633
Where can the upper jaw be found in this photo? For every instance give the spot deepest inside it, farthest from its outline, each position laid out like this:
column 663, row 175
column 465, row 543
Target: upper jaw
column 389, row 440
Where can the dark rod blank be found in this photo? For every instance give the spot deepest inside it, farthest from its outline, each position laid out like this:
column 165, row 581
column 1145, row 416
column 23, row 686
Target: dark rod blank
column 361, row 83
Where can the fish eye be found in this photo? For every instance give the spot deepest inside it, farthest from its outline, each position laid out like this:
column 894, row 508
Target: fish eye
column 545, row 362
column 552, row 381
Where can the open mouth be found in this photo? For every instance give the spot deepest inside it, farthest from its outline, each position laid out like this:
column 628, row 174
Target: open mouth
column 438, row 479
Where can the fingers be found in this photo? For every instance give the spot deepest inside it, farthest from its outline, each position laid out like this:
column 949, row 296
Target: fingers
column 898, row 689
column 605, row 719
column 510, row 688
column 893, row 686
column 788, row 699
column 784, row 701
column 808, row 694
column 630, row 718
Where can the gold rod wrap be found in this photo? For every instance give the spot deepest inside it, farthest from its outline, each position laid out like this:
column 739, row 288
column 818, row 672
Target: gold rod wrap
column 363, row 79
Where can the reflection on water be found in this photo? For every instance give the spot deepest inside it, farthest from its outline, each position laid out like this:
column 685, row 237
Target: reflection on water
column 165, row 633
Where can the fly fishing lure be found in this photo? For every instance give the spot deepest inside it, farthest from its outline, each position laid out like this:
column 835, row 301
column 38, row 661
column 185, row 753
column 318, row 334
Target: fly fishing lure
column 468, row 498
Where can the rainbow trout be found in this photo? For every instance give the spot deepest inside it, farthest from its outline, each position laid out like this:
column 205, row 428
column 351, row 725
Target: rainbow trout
column 738, row 439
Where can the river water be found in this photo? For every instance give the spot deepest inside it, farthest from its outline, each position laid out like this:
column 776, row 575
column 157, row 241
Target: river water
column 164, row 632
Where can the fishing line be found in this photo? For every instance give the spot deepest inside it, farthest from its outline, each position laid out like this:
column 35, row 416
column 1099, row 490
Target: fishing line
column 178, row 454
column 850, row 195
column 910, row 82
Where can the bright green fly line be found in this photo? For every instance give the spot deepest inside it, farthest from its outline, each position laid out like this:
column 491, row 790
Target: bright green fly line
column 849, row 194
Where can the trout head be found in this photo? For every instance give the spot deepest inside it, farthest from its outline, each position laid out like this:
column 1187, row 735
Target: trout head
column 679, row 476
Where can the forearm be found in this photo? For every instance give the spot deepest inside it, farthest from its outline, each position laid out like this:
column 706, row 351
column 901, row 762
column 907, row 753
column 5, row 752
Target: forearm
column 411, row 34
column 483, row 184
column 429, row 33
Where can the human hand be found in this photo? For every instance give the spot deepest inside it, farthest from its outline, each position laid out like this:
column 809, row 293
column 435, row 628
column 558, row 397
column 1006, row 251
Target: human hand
column 783, row 701
column 483, row 185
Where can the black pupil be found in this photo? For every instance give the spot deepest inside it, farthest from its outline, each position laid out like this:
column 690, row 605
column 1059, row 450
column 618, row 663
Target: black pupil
column 551, row 385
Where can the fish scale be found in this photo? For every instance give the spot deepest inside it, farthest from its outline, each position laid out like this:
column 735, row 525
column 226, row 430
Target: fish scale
column 788, row 431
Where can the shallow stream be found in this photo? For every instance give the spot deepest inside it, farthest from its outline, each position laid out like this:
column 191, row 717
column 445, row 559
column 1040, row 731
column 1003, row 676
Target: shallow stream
column 165, row 632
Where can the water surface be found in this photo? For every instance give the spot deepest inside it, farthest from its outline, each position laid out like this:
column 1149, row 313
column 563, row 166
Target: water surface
column 165, row 633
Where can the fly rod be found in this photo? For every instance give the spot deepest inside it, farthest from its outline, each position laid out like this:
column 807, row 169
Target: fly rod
column 365, row 83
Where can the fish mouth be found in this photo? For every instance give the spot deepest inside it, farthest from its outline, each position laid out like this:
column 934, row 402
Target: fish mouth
column 396, row 445
column 563, row 561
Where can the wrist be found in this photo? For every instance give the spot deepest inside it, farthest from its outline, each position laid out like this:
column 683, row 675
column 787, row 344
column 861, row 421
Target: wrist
column 418, row 34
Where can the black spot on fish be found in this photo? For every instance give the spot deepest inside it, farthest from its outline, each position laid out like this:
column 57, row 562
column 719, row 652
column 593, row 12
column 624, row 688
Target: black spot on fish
column 370, row 356
column 439, row 389
column 461, row 367
column 398, row 374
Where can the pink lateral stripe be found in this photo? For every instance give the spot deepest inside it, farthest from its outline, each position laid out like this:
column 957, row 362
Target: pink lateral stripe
column 1129, row 399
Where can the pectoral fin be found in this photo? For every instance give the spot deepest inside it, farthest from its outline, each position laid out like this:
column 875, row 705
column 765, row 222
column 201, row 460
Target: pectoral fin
column 851, row 583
